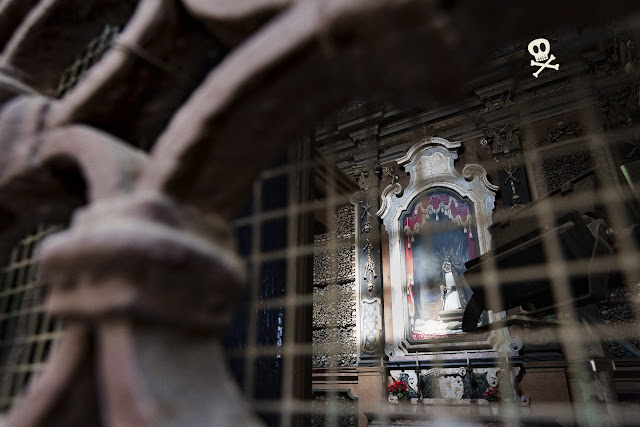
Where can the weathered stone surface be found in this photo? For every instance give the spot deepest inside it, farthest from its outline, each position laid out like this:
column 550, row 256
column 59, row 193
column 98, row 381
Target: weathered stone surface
column 617, row 307
column 558, row 170
column 558, row 166
column 334, row 347
column 334, row 306
column 325, row 404
column 334, row 294
column 345, row 222
column 338, row 267
column 334, row 252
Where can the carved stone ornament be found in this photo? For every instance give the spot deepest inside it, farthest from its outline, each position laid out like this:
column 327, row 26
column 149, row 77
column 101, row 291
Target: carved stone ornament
column 361, row 175
column 460, row 384
column 562, row 130
column 621, row 107
column 408, row 376
column 623, row 53
column 493, row 103
column 371, row 325
column 504, row 139
column 465, row 202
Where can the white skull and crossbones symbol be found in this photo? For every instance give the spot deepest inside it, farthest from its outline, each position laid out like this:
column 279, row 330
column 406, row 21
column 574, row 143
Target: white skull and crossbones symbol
column 540, row 48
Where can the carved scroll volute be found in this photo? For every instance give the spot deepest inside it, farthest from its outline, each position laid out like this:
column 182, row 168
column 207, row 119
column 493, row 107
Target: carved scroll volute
column 133, row 275
column 45, row 175
column 146, row 286
column 150, row 274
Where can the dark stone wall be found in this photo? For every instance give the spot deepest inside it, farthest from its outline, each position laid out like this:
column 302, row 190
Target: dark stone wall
column 617, row 312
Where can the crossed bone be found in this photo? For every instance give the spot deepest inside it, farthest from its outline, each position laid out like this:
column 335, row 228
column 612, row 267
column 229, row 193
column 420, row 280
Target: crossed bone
column 544, row 65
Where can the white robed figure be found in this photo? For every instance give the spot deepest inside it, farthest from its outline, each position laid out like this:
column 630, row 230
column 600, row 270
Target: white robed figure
column 451, row 299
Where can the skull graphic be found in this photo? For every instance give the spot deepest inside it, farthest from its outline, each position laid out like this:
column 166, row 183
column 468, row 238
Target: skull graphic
column 539, row 48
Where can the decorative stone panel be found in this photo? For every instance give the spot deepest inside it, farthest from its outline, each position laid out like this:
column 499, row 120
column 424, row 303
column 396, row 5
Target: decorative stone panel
column 334, row 294
column 345, row 222
column 334, row 306
column 557, row 171
column 458, row 384
column 334, row 347
column 336, row 267
column 559, row 162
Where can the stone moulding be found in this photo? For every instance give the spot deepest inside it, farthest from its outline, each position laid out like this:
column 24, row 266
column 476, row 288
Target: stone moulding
column 430, row 164
column 453, row 385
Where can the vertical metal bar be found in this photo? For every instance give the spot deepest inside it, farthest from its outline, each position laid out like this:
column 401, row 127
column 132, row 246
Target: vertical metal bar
column 299, row 286
column 254, row 292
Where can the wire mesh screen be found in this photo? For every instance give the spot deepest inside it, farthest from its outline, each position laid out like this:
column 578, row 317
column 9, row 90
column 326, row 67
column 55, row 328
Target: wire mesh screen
column 27, row 332
column 467, row 264
column 92, row 54
column 269, row 332
column 555, row 341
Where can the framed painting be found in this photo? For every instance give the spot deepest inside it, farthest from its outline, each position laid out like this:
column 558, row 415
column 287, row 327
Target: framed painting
column 435, row 225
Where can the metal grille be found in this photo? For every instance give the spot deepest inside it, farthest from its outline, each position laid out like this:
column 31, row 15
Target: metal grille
column 27, row 332
column 92, row 54
column 269, row 332
column 564, row 152
column 589, row 350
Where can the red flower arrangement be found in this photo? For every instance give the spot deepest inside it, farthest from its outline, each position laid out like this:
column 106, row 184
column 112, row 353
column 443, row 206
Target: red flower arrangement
column 492, row 394
column 400, row 389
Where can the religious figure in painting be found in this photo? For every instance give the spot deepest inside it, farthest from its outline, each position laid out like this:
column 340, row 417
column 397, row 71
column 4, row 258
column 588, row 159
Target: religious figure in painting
column 450, row 297
column 439, row 234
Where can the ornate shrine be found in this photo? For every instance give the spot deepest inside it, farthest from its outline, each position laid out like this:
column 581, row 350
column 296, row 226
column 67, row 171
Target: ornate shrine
column 435, row 225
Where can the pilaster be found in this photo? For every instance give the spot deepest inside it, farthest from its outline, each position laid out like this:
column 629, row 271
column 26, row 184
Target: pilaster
column 368, row 247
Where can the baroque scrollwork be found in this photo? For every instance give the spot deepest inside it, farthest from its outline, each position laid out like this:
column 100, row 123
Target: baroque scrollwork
column 362, row 175
column 430, row 164
column 503, row 139
column 371, row 325
column 388, row 172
